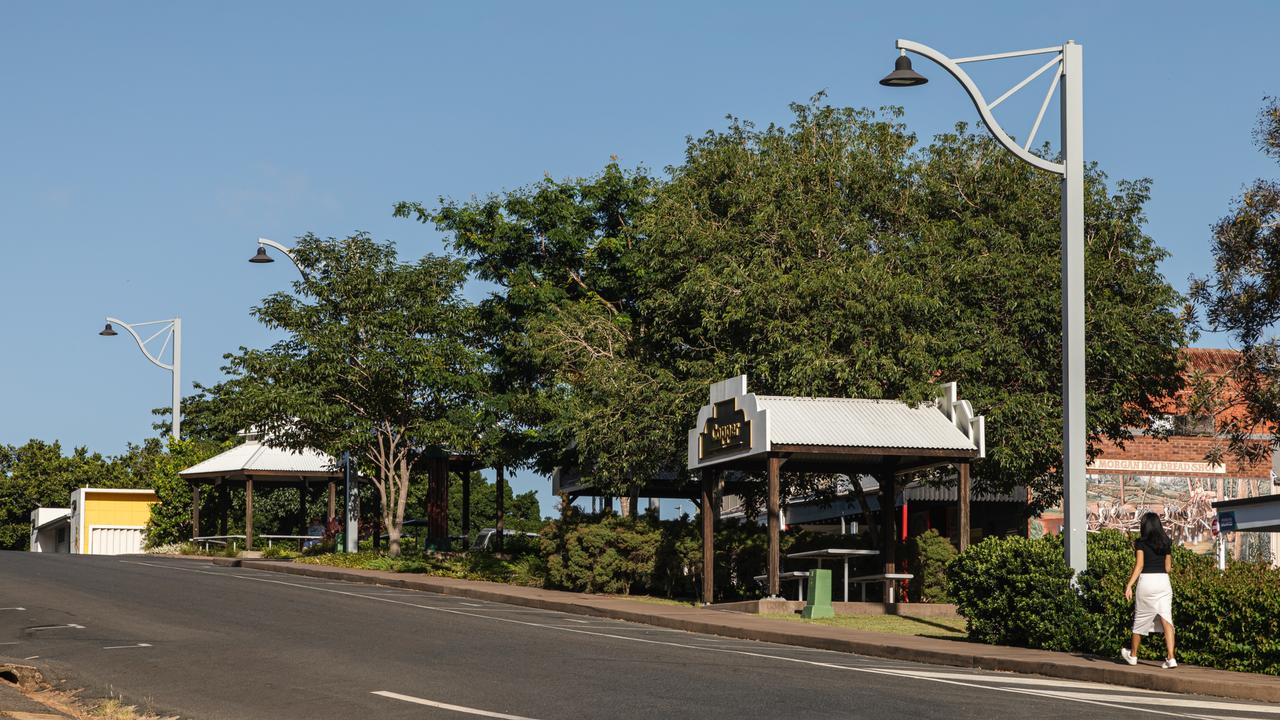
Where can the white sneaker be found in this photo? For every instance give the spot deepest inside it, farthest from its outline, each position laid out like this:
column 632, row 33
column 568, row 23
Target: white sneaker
column 1170, row 663
column 1127, row 656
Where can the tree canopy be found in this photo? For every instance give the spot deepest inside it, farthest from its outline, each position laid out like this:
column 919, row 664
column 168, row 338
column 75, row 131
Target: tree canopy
column 1242, row 298
column 832, row 256
column 379, row 360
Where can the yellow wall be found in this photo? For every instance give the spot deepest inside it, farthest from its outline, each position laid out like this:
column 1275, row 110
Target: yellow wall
column 128, row 509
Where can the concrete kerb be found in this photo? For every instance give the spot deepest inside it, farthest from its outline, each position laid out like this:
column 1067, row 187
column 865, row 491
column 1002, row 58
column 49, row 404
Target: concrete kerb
column 1185, row 679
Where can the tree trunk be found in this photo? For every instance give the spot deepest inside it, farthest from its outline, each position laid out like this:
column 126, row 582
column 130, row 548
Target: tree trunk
column 866, row 508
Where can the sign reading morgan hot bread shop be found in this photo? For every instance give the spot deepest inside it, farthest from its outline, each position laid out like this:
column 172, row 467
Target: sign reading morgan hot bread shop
column 727, row 431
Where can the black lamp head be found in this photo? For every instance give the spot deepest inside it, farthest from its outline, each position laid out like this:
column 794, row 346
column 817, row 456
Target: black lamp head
column 109, row 331
column 903, row 75
column 262, row 256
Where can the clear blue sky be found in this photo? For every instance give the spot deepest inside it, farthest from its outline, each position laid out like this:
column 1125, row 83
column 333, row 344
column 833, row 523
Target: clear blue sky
column 146, row 145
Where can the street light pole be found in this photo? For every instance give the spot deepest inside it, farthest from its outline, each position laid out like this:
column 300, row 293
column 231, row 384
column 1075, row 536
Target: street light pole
column 1068, row 63
column 350, row 492
column 172, row 331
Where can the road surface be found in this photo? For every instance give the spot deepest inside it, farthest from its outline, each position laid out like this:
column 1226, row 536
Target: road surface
column 214, row 643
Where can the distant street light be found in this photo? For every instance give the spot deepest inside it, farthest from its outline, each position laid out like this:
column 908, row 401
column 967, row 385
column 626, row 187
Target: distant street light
column 172, row 331
column 262, row 256
column 1068, row 66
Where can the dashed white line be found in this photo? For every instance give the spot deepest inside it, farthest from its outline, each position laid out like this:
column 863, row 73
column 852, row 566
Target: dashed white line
column 447, row 706
column 122, row 647
column 13, row 608
column 56, row 627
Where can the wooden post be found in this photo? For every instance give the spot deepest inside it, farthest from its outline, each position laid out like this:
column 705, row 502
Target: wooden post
column 709, row 513
column 962, row 495
column 248, row 513
column 195, row 510
column 888, row 527
column 224, row 507
column 333, row 504
column 775, row 540
column 501, row 485
column 302, row 508
column 438, row 502
column 466, row 509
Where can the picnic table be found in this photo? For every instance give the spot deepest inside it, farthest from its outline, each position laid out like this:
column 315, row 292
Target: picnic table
column 833, row 554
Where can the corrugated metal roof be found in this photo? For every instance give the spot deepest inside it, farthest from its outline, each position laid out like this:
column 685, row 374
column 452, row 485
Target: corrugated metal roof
column 253, row 457
column 860, row 423
column 933, row 493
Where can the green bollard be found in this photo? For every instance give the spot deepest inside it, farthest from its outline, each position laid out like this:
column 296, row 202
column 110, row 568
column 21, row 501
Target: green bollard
column 819, row 596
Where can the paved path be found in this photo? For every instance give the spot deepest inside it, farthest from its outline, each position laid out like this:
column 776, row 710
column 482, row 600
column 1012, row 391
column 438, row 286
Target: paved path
column 211, row 642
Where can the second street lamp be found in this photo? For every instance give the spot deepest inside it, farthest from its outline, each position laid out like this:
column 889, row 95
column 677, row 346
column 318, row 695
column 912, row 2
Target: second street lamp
column 1068, row 66
column 172, row 332
column 351, row 523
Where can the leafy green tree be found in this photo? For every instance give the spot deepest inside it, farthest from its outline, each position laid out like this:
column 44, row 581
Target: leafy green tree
column 171, row 517
column 547, row 248
column 38, row 474
column 832, row 256
column 1242, row 298
column 380, row 362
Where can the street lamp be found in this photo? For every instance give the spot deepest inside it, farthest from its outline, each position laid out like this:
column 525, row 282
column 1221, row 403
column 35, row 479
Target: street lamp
column 262, row 256
column 172, row 331
column 1068, row 66
column 350, row 497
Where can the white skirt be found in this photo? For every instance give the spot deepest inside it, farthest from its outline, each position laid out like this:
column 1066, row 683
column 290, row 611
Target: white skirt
column 1152, row 598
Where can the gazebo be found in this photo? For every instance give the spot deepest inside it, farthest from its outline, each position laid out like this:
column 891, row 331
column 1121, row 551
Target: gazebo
column 255, row 462
column 737, row 430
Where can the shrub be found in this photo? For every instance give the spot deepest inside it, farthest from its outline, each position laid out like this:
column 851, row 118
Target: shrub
column 279, row 552
column 1015, row 591
column 930, row 553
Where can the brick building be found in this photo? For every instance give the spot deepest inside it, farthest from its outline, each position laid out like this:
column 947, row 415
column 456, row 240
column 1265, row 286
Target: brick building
column 1173, row 478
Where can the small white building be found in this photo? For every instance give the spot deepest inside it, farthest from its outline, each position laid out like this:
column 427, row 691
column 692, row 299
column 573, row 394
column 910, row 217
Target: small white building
column 51, row 530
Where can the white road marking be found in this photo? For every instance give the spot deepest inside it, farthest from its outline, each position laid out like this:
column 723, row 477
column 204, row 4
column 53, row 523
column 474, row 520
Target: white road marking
column 13, row 608
column 121, row 647
column 56, row 627
column 447, row 706
column 33, row 657
column 945, row 678
column 471, row 604
column 1012, row 679
column 9, row 643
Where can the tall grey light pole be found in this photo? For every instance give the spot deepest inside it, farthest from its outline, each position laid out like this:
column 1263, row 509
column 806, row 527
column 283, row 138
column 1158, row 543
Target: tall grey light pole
column 350, row 493
column 1067, row 64
column 172, row 332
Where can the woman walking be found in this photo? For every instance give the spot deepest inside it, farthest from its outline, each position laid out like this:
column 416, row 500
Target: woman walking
column 1152, row 561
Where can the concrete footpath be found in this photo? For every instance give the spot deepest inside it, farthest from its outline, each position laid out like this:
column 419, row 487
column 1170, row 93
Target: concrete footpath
column 1183, row 679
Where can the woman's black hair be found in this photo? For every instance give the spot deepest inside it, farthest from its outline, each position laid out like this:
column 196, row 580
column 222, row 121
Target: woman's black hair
column 1153, row 535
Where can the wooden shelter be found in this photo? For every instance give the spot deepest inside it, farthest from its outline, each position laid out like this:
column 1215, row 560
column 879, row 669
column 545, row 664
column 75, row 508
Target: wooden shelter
column 255, row 462
column 737, row 430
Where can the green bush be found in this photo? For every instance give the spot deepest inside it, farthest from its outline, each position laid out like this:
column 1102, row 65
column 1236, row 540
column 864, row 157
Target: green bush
column 279, row 552
column 930, row 554
column 1015, row 591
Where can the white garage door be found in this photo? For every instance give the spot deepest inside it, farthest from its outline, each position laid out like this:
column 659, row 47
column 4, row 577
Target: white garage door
column 115, row 540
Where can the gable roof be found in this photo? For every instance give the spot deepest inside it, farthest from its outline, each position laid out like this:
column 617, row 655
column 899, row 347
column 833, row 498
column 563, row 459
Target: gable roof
column 255, row 458
column 852, row 422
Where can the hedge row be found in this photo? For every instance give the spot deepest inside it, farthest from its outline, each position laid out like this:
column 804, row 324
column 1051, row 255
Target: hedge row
column 644, row 555
column 1015, row 591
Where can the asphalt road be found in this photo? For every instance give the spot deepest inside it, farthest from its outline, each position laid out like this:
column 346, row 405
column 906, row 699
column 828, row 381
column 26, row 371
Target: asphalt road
column 211, row 643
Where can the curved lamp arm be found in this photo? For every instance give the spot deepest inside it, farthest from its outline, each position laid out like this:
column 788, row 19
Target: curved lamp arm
column 263, row 242
column 142, row 344
column 984, row 108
